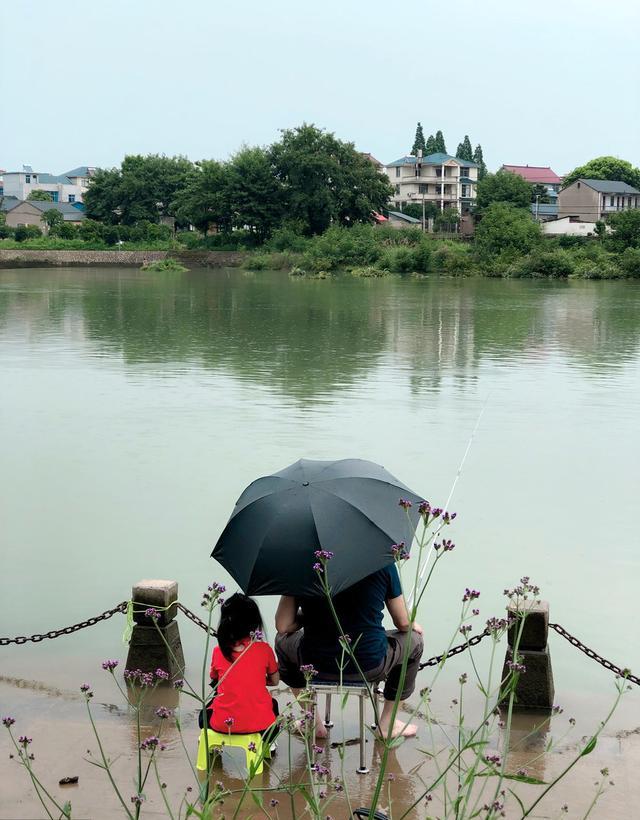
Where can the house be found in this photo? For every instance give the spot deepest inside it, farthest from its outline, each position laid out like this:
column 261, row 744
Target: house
column 376, row 162
column 569, row 226
column 396, row 219
column 69, row 187
column 593, row 199
column 537, row 175
column 447, row 181
column 21, row 212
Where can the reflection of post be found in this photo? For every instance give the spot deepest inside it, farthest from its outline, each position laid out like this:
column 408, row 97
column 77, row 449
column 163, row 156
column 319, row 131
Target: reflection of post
column 535, row 685
column 527, row 742
column 155, row 646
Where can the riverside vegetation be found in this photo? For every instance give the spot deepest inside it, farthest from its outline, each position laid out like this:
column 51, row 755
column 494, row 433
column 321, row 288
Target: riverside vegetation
column 463, row 771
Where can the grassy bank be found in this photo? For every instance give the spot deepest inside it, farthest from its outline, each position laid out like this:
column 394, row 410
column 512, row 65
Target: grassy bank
column 369, row 251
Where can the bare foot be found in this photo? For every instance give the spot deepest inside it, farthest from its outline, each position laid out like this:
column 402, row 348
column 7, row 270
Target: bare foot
column 320, row 732
column 400, row 729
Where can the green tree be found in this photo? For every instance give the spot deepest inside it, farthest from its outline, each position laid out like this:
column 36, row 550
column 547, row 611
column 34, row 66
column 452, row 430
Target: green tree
column 204, row 200
column 505, row 230
column 414, row 209
column 441, row 148
column 465, row 151
column 626, row 229
column 430, row 145
column 38, row 195
column 540, row 193
column 478, row 158
column 256, row 198
column 326, row 181
column 503, row 187
column 418, row 142
column 605, row 168
column 446, row 220
column 143, row 188
column 54, row 221
column 600, row 229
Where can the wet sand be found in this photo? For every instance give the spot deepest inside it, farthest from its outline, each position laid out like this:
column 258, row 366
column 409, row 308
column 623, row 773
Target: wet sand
column 56, row 720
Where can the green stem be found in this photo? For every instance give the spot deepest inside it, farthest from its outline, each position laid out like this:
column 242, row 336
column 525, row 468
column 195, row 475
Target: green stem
column 106, row 764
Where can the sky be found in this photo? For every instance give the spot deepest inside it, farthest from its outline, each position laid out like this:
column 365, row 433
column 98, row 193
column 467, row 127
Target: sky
column 550, row 82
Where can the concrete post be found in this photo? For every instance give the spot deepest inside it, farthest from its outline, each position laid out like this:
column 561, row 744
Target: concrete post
column 156, row 647
column 535, row 689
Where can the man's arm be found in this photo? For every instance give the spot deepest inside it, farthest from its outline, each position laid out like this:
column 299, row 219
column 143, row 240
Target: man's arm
column 399, row 615
column 286, row 615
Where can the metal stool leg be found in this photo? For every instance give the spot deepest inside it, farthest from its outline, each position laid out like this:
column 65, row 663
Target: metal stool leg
column 327, row 711
column 362, row 769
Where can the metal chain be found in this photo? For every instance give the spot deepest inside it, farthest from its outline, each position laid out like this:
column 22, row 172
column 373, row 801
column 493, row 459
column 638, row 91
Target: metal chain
column 456, row 650
column 624, row 673
column 198, row 621
column 67, row 630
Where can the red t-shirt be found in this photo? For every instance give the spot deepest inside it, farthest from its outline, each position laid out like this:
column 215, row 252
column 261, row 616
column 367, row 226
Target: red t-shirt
column 242, row 694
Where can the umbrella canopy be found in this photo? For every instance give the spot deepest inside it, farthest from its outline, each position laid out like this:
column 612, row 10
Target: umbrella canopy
column 349, row 507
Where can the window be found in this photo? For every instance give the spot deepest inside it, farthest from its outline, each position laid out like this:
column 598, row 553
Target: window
column 27, row 179
column 397, row 189
column 438, row 172
column 397, row 170
column 611, row 201
column 464, row 172
column 465, row 190
column 423, row 189
column 72, row 197
column 35, row 178
column 438, row 189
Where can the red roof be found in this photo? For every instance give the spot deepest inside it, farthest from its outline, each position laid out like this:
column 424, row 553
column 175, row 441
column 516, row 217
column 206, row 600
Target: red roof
column 541, row 174
column 379, row 217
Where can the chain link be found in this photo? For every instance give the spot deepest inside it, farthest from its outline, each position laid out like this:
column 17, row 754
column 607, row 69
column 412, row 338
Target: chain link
column 624, row 673
column 456, row 650
column 67, row 630
column 193, row 617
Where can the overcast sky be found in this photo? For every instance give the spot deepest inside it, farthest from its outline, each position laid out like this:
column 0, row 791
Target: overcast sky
column 550, row 82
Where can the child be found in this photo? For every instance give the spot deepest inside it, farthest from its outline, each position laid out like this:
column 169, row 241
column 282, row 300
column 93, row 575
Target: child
column 242, row 666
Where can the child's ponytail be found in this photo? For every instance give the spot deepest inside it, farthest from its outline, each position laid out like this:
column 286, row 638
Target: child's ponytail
column 239, row 617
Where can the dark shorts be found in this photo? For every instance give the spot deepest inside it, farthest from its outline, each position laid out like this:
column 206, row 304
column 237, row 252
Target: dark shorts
column 288, row 650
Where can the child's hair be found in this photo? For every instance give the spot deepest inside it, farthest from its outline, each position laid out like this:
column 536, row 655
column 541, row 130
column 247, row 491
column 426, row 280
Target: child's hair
column 239, row 617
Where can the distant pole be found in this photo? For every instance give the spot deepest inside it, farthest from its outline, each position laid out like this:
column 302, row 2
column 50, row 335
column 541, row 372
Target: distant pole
column 537, row 203
column 423, row 222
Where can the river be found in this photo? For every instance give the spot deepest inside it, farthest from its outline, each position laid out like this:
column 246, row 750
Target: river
column 135, row 407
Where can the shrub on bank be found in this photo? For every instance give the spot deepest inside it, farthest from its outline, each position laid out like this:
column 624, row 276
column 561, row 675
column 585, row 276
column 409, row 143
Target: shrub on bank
column 452, row 258
column 629, row 262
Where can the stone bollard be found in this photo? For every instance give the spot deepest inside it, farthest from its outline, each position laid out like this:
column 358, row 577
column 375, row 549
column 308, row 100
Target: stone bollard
column 156, row 647
column 535, row 688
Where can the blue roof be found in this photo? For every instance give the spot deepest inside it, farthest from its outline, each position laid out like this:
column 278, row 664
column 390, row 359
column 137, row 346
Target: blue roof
column 405, row 217
column 432, row 159
column 80, row 171
column 8, row 202
column 545, row 208
column 52, row 179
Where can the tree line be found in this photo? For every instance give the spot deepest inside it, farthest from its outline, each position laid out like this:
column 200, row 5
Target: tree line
column 307, row 180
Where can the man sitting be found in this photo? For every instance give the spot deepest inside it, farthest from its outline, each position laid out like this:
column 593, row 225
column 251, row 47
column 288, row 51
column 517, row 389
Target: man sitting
column 307, row 634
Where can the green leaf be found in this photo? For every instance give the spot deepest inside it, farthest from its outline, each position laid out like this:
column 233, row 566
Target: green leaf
column 523, row 778
column 66, row 809
column 396, row 741
column 591, row 745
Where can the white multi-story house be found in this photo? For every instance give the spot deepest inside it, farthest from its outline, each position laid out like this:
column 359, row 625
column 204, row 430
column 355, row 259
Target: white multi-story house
column 69, row 187
column 447, row 181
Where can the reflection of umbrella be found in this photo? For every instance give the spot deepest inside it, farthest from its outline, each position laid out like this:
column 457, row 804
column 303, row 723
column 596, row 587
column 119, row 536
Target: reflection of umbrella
column 349, row 507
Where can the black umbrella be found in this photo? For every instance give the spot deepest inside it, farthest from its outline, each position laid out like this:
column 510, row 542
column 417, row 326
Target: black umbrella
column 349, row 507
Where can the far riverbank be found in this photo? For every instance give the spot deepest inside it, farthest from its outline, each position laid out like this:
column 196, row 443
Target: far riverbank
column 26, row 258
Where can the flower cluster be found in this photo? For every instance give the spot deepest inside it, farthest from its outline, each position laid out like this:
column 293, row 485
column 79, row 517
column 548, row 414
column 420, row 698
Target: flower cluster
column 470, row 595
column 163, row 713
column 23, row 740
column 516, row 667
column 308, row 670
column 494, row 808
column 8, row 721
column 137, row 799
column 86, row 690
column 494, row 760
column 141, row 678
column 109, row 666
column 152, row 613
column 322, row 557
column 399, row 552
column 319, row 769
column 178, row 683
column 465, row 629
column 498, row 625
column 150, row 743
column 228, row 722
column 446, row 545
column 405, row 504
column 213, row 595
column 257, row 635
column 252, row 746
column 524, row 589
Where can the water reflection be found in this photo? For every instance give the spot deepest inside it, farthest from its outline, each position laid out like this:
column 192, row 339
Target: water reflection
column 306, row 339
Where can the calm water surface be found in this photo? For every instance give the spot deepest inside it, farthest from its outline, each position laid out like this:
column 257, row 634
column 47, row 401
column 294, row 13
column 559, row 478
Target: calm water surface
column 135, row 407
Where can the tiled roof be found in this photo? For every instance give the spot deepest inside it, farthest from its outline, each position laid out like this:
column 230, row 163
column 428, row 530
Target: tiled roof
column 536, row 174
column 609, row 186
column 8, row 202
column 80, row 171
column 67, row 209
column 545, row 208
column 404, row 217
column 432, row 159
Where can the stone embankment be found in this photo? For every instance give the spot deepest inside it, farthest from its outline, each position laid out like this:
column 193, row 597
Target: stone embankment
column 19, row 258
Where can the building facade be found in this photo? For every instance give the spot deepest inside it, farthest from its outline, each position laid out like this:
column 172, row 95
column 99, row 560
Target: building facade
column 69, row 187
column 593, row 199
column 19, row 212
column 446, row 181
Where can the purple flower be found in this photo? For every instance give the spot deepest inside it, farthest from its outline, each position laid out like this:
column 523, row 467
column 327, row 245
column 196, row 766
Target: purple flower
column 516, row 667
column 308, row 670
column 137, row 799
column 424, row 508
column 318, row 567
column 273, row 802
column 163, row 712
column 152, row 613
column 178, row 683
column 465, row 629
column 470, row 595
column 496, row 625
column 150, row 743
column 493, row 759
column 449, row 517
column 323, row 555
column 85, row 687
column 161, row 674
column 462, row 679
column 405, row 504
column 8, row 721
column 447, row 544
column 257, row 635
column 23, row 740
column 399, row 552
column 475, row 611
column 251, row 746
column 109, row 666
column 228, row 722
